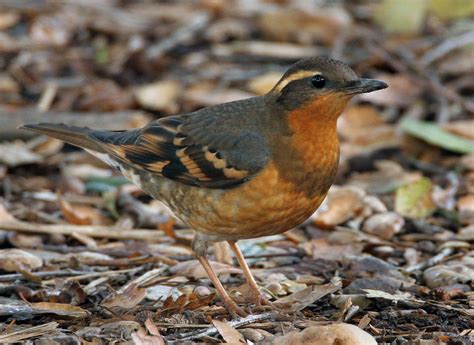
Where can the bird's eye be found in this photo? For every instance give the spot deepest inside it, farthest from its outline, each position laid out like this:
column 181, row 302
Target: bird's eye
column 318, row 81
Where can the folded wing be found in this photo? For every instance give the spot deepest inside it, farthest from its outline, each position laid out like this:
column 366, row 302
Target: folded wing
column 189, row 151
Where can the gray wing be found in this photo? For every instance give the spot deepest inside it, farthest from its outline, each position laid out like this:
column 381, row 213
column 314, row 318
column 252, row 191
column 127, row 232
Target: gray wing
column 207, row 149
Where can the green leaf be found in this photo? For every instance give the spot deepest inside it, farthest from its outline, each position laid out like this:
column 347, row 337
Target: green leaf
column 450, row 9
column 110, row 201
column 115, row 181
column 435, row 135
column 100, row 187
column 102, row 55
column 414, row 200
column 401, row 16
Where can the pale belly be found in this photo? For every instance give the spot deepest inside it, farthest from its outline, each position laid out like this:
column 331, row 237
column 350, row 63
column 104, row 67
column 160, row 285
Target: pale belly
column 266, row 205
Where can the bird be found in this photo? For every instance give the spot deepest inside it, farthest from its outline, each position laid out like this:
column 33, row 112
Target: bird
column 245, row 169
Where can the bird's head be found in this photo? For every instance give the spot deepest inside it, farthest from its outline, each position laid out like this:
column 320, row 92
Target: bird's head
column 321, row 86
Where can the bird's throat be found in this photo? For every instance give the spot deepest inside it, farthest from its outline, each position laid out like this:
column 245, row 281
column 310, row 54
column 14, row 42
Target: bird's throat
column 315, row 135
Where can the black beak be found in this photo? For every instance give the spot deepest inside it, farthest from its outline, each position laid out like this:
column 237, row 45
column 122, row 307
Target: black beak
column 362, row 85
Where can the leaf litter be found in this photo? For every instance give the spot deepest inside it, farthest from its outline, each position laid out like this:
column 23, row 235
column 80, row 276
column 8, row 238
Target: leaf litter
column 86, row 257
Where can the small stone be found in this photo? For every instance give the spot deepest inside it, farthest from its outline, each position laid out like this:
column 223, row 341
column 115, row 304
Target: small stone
column 443, row 275
column 252, row 334
column 276, row 289
column 384, row 225
column 467, row 233
column 466, row 209
column 383, row 251
column 343, row 334
column 375, row 203
column 14, row 260
column 160, row 95
column 202, row 291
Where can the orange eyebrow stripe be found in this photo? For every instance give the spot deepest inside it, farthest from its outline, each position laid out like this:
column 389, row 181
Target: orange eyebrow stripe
column 292, row 77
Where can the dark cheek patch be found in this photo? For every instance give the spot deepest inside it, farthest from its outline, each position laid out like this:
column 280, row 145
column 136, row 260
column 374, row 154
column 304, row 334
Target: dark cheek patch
column 295, row 94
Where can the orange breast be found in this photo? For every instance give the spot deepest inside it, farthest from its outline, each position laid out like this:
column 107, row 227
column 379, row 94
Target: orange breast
column 264, row 206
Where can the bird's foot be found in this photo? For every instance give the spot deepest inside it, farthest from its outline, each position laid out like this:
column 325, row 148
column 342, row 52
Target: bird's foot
column 234, row 310
column 261, row 300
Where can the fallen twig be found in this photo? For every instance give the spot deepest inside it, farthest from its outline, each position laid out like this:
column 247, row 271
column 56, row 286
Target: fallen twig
column 27, row 333
column 45, row 274
column 181, row 35
column 131, row 261
column 89, row 230
column 234, row 323
column 447, row 46
column 96, row 275
column 431, row 261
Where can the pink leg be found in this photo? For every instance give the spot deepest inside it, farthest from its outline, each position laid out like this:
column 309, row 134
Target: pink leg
column 231, row 306
column 256, row 294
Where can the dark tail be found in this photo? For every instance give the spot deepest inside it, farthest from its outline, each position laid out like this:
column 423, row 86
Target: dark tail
column 77, row 136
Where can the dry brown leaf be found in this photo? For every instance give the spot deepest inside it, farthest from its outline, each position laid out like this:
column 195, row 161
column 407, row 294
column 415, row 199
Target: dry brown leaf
column 7, row 83
column 161, row 292
column 30, row 332
column 467, row 233
column 8, row 19
column 127, row 299
column 14, row 260
column 82, row 214
column 264, row 83
column 160, row 95
column 336, row 334
column 342, row 204
column 452, row 273
column 464, row 128
column 357, row 117
column 123, row 327
column 322, row 249
column 384, row 225
column 388, row 177
column 301, row 299
column 59, row 309
column 275, row 50
column 25, row 241
column 303, row 25
column 85, row 171
column 364, row 128
column 104, row 95
column 403, row 91
column 196, row 302
column 151, row 328
column 229, row 333
column 465, row 206
column 17, row 153
column 142, row 338
column 460, row 63
column 45, row 146
column 221, row 30
column 5, row 216
column 186, row 302
column 206, row 95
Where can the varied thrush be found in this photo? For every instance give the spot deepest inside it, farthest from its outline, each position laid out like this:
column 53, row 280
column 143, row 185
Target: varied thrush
column 250, row 168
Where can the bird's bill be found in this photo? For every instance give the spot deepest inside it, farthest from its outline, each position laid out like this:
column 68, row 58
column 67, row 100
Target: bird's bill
column 362, row 85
